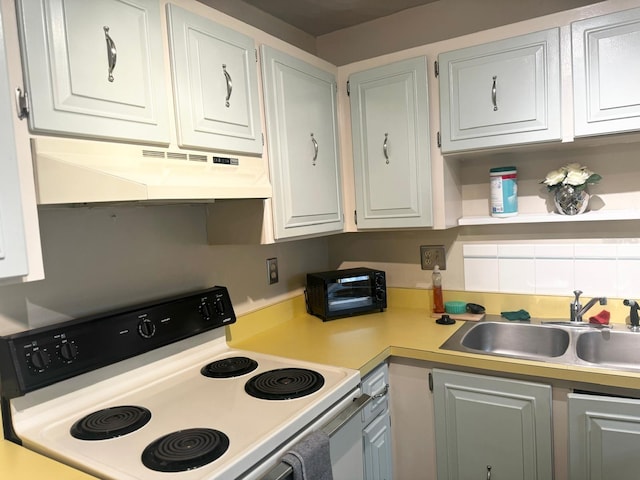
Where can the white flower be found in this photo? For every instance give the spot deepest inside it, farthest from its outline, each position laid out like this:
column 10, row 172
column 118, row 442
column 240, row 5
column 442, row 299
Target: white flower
column 554, row 177
column 576, row 176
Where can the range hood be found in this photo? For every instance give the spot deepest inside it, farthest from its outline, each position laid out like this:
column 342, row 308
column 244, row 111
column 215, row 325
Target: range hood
column 83, row 171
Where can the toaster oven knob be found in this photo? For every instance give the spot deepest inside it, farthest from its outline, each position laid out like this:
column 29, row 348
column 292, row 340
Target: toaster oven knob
column 379, row 295
column 146, row 328
column 68, row 351
column 40, row 359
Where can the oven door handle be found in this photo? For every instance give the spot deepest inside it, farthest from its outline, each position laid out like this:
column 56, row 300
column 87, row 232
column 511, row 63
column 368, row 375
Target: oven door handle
column 283, row 471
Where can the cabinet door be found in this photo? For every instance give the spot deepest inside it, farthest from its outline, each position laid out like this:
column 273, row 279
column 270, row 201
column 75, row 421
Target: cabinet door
column 300, row 102
column 13, row 253
column 604, row 434
column 95, row 68
column 501, row 93
column 377, row 448
column 491, row 425
column 376, row 384
column 390, row 129
column 215, row 83
column 606, row 68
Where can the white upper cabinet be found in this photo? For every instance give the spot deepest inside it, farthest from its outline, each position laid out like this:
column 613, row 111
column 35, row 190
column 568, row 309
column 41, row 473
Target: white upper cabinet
column 95, row 68
column 501, row 93
column 390, row 129
column 215, row 84
column 13, row 250
column 302, row 134
column 606, row 70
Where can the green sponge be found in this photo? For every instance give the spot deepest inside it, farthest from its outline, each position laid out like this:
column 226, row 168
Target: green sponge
column 455, row 307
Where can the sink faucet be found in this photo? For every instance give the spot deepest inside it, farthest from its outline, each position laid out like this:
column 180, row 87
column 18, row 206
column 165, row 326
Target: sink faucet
column 577, row 310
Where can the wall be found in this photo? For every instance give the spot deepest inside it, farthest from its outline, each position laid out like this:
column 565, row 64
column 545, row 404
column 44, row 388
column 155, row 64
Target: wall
column 99, row 258
column 430, row 23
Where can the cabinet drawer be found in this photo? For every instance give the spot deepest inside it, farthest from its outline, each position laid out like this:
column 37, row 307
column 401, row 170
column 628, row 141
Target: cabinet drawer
column 376, row 384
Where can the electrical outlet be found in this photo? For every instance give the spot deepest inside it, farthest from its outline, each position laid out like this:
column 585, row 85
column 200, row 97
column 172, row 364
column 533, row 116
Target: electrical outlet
column 272, row 270
column 432, row 255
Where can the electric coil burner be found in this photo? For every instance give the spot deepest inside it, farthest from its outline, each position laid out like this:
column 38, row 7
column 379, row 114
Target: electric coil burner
column 110, row 423
column 185, row 450
column 229, row 367
column 153, row 392
column 284, row 384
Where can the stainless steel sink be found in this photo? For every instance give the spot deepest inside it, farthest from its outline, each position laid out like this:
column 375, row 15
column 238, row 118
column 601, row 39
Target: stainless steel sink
column 517, row 339
column 611, row 349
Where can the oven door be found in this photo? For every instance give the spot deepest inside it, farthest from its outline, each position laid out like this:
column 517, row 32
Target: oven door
column 343, row 424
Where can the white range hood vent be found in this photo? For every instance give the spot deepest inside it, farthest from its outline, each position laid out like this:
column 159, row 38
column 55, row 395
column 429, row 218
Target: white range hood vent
column 82, row 171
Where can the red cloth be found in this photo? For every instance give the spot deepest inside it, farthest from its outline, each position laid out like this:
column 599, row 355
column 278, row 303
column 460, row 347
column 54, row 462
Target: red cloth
column 602, row 318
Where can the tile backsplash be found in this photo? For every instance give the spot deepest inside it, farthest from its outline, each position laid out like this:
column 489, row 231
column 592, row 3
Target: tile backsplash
column 553, row 269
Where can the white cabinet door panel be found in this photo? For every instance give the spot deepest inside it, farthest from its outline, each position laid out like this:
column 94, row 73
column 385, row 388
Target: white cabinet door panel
column 216, row 84
column 377, row 448
column 390, row 128
column 501, row 93
column 606, row 69
column 303, row 145
column 72, row 88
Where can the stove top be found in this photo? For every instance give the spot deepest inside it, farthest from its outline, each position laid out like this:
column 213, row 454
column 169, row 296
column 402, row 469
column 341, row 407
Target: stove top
column 181, row 409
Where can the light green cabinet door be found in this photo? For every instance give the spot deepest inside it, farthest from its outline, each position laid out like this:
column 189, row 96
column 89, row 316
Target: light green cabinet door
column 13, row 253
column 606, row 69
column 302, row 138
column 489, row 427
column 215, row 83
column 377, row 448
column 501, row 93
column 95, row 68
column 604, row 434
column 390, row 129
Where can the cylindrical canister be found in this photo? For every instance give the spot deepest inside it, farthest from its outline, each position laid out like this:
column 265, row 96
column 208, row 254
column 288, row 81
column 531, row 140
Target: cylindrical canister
column 504, row 191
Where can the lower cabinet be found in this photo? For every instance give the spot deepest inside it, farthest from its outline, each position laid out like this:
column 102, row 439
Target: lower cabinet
column 489, row 427
column 604, row 434
column 376, row 421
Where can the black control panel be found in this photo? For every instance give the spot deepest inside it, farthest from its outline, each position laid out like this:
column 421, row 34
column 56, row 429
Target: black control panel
column 36, row 358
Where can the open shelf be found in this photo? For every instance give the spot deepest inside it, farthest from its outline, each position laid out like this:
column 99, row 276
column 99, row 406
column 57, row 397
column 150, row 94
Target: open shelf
column 599, row 215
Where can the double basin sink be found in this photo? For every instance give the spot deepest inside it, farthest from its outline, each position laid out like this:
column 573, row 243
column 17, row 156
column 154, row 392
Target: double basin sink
column 569, row 343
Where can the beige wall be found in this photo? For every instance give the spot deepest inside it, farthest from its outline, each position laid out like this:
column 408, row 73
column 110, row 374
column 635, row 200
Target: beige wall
column 430, row 23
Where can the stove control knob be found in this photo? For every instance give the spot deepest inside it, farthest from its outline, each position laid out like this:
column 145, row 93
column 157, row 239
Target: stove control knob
column 146, row 328
column 68, row 351
column 220, row 306
column 40, row 359
column 205, row 311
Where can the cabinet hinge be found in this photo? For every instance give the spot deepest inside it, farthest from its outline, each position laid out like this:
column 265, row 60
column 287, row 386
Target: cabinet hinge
column 22, row 103
column 430, row 382
column 355, row 216
column 262, row 134
column 348, row 89
column 436, row 68
column 439, row 140
column 255, row 50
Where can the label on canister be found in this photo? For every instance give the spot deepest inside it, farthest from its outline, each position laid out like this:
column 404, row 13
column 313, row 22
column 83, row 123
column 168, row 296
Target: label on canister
column 504, row 191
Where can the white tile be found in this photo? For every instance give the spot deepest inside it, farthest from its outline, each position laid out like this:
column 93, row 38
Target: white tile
column 629, row 250
column 628, row 279
column 554, row 276
column 516, row 250
column 481, row 274
column 517, row 275
column 560, row 250
column 479, row 250
column 587, row 250
column 596, row 277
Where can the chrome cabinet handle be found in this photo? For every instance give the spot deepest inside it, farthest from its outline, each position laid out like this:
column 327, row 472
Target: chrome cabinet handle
column 385, row 149
column 315, row 150
column 488, row 472
column 227, row 77
column 494, row 93
column 382, row 392
column 112, row 53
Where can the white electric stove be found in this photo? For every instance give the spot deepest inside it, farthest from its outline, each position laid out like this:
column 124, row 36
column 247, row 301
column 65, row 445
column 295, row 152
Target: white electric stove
column 155, row 392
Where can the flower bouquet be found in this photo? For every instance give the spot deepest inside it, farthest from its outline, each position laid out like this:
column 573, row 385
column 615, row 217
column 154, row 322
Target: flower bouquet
column 569, row 187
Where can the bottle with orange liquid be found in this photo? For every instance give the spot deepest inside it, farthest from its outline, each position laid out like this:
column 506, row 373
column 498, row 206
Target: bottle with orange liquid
column 436, row 280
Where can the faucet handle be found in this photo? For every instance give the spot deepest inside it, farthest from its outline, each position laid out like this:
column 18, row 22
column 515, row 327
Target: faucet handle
column 577, row 293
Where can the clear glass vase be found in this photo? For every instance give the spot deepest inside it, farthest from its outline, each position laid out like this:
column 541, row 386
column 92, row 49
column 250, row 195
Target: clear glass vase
column 570, row 201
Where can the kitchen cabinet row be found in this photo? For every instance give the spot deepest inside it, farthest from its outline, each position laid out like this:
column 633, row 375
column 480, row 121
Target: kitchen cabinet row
column 483, row 426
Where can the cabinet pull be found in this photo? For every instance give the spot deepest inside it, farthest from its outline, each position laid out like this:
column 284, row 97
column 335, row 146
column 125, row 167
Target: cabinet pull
column 315, row 150
column 488, row 472
column 227, row 77
column 385, row 150
column 494, row 93
column 112, row 53
column 382, row 392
